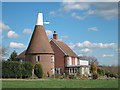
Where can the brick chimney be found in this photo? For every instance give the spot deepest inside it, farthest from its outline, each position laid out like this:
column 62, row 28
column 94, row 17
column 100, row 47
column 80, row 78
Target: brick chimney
column 55, row 35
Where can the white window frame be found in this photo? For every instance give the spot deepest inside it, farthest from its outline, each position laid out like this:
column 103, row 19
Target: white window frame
column 52, row 58
column 37, row 58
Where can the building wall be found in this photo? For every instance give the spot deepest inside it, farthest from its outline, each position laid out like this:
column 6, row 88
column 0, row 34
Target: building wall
column 59, row 57
column 46, row 61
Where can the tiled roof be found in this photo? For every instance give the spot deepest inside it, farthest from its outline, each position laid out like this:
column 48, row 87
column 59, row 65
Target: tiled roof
column 65, row 48
column 39, row 42
column 21, row 55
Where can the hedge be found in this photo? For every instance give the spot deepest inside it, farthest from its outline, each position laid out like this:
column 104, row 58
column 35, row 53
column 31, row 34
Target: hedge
column 15, row 69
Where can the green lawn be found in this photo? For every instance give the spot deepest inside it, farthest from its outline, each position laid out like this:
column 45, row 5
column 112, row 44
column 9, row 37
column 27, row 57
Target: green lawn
column 56, row 83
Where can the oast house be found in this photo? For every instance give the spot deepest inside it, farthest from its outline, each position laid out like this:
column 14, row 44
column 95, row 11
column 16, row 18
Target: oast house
column 55, row 56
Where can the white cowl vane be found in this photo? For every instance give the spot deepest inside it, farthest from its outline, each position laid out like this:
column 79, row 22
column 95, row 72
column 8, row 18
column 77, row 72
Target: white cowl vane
column 40, row 19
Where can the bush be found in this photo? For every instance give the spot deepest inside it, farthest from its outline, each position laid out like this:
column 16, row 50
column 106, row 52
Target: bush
column 48, row 74
column 26, row 69
column 113, row 75
column 71, row 77
column 38, row 70
column 14, row 69
column 93, row 68
column 6, row 69
column 100, row 71
column 95, row 76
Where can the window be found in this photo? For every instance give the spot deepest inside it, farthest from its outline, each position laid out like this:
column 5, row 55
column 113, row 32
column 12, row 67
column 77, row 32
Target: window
column 52, row 58
column 78, row 61
column 52, row 70
column 73, row 61
column 58, row 70
column 37, row 58
column 21, row 60
column 68, row 62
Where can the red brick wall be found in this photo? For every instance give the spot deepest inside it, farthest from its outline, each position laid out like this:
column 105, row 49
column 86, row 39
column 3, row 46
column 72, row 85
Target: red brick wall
column 59, row 56
column 73, row 61
column 45, row 60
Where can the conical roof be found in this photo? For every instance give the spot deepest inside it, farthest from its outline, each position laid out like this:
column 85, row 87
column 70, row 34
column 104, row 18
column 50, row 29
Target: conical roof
column 39, row 43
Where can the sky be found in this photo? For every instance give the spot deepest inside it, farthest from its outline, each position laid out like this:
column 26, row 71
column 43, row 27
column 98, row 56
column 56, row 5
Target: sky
column 89, row 29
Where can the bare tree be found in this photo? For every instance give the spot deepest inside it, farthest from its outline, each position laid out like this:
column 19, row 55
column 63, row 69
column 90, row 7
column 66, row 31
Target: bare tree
column 3, row 52
column 91, row 59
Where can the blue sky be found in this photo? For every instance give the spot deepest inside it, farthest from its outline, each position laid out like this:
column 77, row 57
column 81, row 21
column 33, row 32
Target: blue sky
column 88, row 28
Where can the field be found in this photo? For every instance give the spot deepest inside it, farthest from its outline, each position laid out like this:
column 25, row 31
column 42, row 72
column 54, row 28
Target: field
column 57, row 83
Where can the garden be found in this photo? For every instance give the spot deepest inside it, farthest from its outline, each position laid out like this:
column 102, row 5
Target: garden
column 16, row 74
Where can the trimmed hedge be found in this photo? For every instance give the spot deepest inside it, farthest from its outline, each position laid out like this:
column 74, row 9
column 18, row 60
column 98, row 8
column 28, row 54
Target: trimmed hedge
column 27, row 68
column 38, row 70
column 14, row 69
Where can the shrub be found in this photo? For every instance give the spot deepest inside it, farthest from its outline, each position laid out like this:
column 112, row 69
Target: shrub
column 48, row 74
column 26, row 69
column 93, row 68
column 14, row 69
column 5, row 69
column 100, row 71
column 38, row 70
column 113, row 75
column 95, row 76
column 71, row 76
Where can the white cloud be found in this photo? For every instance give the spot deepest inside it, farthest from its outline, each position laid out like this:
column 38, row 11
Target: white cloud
column 46, row 22
column 27, row 31
column 86, row 50
column 63, row 37
column 49, row 32
column 77, row 16
column 90, row 12
column 4, row 27
column 107, row 55
column 67, row 6
column 16, row 45
column 88, row 44
column 52, row 12
column 93, row 29
column 104, row 10
column 12, row 34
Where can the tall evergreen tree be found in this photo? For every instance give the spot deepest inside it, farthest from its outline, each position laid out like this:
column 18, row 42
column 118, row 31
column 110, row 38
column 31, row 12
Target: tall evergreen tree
column 13, row 56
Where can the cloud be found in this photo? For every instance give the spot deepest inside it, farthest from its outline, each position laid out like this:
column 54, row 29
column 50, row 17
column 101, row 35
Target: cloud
column 93, row 29
column 49, row 32
column 52, row 12
column 12, row 34
column 16, row 45
column 90, row 12
column 63, row 37
column 88, row 44
column 107, row 55
column 77, row 16
column 106, row 10
column 4, row 27
column 46, row 22
column 67, row 6
column 27, row 31
column 86, row 50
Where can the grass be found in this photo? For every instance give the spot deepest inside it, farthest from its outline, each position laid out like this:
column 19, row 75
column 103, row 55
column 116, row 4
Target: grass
column 57, row 83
